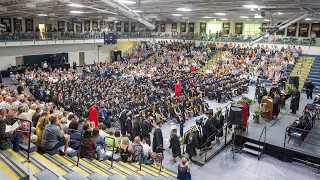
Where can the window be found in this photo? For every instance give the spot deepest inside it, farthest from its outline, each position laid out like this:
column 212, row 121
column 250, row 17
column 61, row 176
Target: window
column 252, row 29
column 213, row 28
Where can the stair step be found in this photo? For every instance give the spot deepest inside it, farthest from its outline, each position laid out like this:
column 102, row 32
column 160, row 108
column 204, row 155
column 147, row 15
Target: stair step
column 253, row 145
column 46, row 175
column 251, row 151
column 97, row 176
column 74, row 175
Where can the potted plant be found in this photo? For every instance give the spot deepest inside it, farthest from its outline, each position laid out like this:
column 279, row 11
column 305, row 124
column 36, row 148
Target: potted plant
column 256, row 115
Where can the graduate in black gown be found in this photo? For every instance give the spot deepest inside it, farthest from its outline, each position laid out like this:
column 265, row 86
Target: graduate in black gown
column 146, row 129
column 136, row 127
column 174, row 144
column 219, row 118
column 157, row 136
column 129, row 125
column 199, row 133
column 123, row 119
column 208, row 127
column 295, row 99
column 192, row 143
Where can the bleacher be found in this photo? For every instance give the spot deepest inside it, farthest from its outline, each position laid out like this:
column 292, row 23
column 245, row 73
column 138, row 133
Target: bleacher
column 314, row 74
column 52, row 167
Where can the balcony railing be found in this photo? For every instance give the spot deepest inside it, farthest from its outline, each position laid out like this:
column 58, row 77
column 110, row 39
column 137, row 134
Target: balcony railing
column 57, row 37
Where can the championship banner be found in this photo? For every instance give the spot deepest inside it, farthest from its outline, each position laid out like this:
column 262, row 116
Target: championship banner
column 70, row 27
column 7, row 23
column 174, row 27
column 79, row 27
column 94, row 25
column 163, row 27
column 29, row 24
column 61, row 26
column 87, row 26
column 118, row 26
column 315, row 27
column 17, row 25
column 133, row 27
column 126, row 27
column 203, row 27
column 183, row 27
column 226, row 27
column 303, row 30
column 238, row 28
column 292, row 29
column 191, row 27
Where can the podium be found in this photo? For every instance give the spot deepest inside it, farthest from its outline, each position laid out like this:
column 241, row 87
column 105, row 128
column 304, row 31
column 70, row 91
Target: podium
column 267, row 107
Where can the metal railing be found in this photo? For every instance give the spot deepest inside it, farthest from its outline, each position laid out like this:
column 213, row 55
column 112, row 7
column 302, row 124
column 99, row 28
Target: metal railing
column 29, row 137
column 61, row 36
column 113, row 144
column 265, row 136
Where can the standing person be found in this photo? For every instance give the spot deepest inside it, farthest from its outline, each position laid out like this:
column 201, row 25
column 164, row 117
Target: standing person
column 74, row 65
column 94, row 114
column 276, row 102
column 123, row 119
column 129, row 125
column 192, row 144
column 295, row 98
column 146, row 129
column 177, row 89
column 309, row 88
column 157, row 137
column 175, row 145
column 183, row 170
column 245, row 114
column 208, row 127
column 219, row 122
column 136, row 126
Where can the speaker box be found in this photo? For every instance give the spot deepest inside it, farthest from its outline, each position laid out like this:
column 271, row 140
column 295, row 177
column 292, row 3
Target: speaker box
column 235, row 115
column 294, row 80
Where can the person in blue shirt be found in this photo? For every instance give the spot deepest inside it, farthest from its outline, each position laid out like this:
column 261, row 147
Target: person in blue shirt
column 103, row 113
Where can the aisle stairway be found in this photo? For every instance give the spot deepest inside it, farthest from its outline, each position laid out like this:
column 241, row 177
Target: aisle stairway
column 314, row 74
column 211, row 61
column 52, row 167
column 302, row 69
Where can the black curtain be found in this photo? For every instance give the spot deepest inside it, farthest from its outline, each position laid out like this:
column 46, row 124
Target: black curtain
column 37, row 59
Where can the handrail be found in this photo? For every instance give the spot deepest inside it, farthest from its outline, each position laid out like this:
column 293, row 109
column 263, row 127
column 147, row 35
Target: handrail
column 265, row 136
column 29, row 137
column 113, row 144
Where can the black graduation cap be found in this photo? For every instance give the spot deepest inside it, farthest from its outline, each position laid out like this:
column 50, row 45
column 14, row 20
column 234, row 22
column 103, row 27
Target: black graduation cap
column 198, row 121
column 209, row 111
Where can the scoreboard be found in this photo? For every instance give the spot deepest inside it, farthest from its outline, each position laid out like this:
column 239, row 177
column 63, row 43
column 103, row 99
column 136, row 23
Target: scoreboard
column 110, row 38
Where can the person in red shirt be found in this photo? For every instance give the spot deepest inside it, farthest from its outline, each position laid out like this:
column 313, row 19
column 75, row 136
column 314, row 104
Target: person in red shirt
column 193, row 69
column 177, row 89
column 94, row 115
column 245, row 114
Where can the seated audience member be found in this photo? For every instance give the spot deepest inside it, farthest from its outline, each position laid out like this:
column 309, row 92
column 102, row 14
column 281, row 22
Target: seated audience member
column 75, row 135
column 111, row 141
column 53, row 137
column 99, row 140
column 35, row 117
column 31, row 111
column 137, row 149
column 146, row 150
column 102, row 130
column 89, row 147
column 126, row 151
column 117, row 135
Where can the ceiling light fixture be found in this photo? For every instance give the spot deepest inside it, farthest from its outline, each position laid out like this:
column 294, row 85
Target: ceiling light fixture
column 220, row 14
column 137, row 11
column 75, row 5
column 279, row 13
column 252, row 9
column 176, row 14
column 224, row 19
column 207, row 17
column 244, row 17
column 183, row 9
column 127, row 2
column 76, row 12
column 42, row 15
column 257, row 17
column 267, row 20
column 251, row 6
column 308, row 19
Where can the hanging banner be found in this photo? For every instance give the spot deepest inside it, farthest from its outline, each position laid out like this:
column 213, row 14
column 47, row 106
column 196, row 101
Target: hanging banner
column 17, row 25
column 303, row 30
column 70, row 27
column 87, row 26
column 94, row 25
column 203, row 27
column 238, row 28
column 118, row 26
column 291, row 30
column 29, row 24
column 126, row 27
column 226, row 27
column 183, row 27
column 111, row 26
column 163, row 27
column 174, row 27
column 61, row 26
column 79, row 27
column 7, row 23
column 133, row 27
column 315, row 27
column 191, row 27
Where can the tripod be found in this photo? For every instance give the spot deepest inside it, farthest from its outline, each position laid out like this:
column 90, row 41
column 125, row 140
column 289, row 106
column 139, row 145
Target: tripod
column 233, row 145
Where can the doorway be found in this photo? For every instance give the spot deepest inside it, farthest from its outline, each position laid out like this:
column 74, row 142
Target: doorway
column 117, row 55
column 42, row 28
column 81, row 59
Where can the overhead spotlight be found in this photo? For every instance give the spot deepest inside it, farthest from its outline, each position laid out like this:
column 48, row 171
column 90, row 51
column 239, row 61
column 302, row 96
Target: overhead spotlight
column 220, row 14
column 137, row 11
column 75, row 5
column 76, row 12
column 224, row 19
column 183, row 9
column 176, row 14
column 42, row 15
column 279, row 13
column 308, row 19
column 207, row 17
column 127, row 2
column 251, row 9
column 251, row 6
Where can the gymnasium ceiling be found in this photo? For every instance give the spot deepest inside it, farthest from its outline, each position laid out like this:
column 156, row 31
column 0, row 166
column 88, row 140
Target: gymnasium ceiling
column 163, row 10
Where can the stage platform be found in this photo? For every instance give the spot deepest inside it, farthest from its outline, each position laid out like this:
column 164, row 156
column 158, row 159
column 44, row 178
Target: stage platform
column 276, row 145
